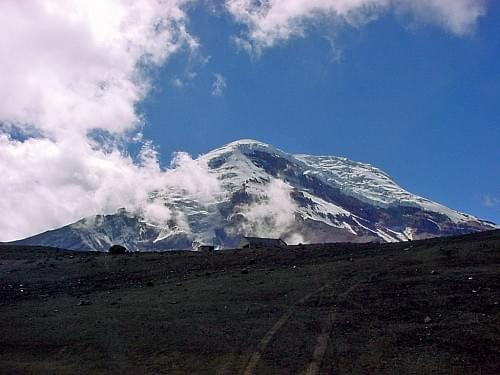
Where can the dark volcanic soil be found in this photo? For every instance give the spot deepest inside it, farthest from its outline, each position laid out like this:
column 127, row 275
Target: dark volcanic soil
column 424, row 307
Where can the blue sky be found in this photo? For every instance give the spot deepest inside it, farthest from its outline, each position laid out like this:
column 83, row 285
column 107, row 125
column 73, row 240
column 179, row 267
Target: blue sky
column 420, row 103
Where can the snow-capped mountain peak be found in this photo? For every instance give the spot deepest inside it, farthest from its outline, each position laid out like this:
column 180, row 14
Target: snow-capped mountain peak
column 267, row 192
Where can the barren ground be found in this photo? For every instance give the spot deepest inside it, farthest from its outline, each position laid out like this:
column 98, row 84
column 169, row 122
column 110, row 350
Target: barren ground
column 424, row 307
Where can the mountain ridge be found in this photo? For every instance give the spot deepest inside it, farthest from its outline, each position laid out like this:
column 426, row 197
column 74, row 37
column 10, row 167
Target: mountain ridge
column 264, row 191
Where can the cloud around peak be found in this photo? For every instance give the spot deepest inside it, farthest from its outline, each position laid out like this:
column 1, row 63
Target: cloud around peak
column 72, row 73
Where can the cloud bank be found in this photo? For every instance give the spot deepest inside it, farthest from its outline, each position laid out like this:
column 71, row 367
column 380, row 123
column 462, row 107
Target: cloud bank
column 271, row 21
column 71, row 76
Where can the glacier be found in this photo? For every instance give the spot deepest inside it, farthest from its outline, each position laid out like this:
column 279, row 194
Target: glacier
column 267, row 192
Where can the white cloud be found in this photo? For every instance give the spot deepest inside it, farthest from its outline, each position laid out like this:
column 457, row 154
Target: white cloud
column 272, row 21
column 272, row 215
column 177, row 82
column 47, row 184
column 457, row 16
column 490, row 201
column 219, row 85
column 68, row 68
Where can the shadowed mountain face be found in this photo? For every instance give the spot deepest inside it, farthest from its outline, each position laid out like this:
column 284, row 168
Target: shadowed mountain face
column 267, row 192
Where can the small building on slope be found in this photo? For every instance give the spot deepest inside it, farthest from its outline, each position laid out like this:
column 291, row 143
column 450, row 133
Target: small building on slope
column 260, row 243
column 206, row 248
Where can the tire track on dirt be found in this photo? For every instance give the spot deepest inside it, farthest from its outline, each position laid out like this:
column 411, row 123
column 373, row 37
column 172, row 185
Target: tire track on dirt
column 324, row 337
column 257, row 355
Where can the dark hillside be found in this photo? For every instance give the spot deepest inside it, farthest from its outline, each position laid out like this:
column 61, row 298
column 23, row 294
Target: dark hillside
column 421, row 307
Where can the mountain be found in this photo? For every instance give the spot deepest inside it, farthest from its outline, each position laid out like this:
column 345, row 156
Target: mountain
column 264, row 191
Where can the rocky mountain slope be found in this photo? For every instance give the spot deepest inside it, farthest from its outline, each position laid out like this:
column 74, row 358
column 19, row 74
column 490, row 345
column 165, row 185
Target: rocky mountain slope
column 267, row 192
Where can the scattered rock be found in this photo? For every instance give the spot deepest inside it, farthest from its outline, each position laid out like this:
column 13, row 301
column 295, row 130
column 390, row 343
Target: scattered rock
column 427, row 319
column 117, row 250
column 83, row 303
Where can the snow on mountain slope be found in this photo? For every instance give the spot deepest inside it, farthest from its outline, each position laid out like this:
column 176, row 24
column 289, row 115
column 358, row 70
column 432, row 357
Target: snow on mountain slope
column 266, row 192
column 370, row 184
